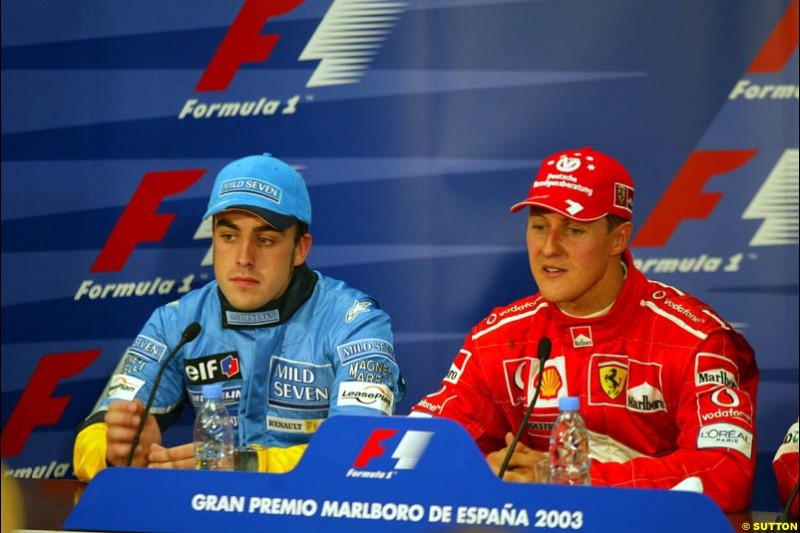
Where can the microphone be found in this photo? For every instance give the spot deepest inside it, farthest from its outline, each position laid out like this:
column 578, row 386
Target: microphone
column 189, row 334
column 542, row 354
column 784, row 516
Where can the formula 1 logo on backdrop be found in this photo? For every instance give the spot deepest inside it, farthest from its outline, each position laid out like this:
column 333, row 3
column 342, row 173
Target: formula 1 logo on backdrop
column 344, row 43
column 685, row 199
column 775, row 203
column 407, row 453
column 139, row 223
column 772, row 59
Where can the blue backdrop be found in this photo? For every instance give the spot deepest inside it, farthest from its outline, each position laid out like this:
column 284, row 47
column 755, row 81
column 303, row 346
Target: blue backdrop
column 416, row 124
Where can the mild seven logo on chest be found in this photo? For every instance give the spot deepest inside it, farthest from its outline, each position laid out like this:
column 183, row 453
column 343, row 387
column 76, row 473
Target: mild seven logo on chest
column 299, row 384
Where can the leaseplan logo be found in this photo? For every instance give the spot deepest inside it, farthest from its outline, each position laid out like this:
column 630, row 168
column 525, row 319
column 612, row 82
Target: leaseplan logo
column 344, row 43
column 407, row 453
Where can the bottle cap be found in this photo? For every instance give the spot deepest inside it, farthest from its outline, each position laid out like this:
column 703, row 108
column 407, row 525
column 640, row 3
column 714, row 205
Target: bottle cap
column 569, row 403
column 212, row 391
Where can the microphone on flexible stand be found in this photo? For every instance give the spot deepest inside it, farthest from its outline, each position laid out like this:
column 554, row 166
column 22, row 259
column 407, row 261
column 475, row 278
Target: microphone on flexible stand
column 189, row 334
column 542, row 354
column 784, row 516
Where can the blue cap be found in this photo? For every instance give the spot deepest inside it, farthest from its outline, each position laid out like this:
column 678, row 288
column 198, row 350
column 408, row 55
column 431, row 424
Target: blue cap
column 212, row 391
column 569, row 403
column 264, row 186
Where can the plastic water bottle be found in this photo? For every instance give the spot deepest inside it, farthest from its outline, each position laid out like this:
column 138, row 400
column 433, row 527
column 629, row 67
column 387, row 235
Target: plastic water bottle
column 213, row 432
column 569, row 446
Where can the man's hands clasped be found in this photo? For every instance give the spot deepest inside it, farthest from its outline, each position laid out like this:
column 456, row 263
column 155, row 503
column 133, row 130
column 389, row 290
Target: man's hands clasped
column 122, row 419
column 521, row 464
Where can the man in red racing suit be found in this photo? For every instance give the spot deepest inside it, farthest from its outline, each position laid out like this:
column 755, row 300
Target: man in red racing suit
column 667, row 388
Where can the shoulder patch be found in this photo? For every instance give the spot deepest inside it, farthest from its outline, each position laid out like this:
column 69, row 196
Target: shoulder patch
column 684, row 310
column 716, row 371
column 124, row 387
column 502, row 316
column 356, row 309
column 148, row 348
column 358, row 349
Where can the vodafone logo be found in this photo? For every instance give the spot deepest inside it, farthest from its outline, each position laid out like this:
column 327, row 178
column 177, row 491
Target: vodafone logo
column 726, row 413
column 725, row 398
column 724, row 404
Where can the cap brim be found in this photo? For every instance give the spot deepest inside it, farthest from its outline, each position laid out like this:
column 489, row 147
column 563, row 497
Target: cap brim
column 531, row 203
column 276, row 220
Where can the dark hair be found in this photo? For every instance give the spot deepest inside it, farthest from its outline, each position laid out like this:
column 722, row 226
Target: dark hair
column 302, row 229
column 614, row 222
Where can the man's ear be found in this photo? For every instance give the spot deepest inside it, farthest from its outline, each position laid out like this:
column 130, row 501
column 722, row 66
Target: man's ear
column 302, row 248
column 622, row 236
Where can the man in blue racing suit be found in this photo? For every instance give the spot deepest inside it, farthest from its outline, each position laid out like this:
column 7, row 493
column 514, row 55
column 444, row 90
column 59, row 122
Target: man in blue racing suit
column 290, row 346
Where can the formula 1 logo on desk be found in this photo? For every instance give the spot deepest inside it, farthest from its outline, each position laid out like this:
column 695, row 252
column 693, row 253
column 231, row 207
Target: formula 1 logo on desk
column 406, row 454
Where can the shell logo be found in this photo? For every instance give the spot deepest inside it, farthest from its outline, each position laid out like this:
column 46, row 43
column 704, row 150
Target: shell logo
column 551, row 383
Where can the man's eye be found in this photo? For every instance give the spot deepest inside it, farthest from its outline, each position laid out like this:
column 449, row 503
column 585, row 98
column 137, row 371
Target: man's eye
column 263, row 241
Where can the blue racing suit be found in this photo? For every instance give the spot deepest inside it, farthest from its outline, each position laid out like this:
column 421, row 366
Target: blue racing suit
column 325, row 349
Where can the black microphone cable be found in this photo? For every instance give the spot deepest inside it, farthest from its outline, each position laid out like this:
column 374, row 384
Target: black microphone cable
column 189, row 334
column 542, row 354
column 784, row 516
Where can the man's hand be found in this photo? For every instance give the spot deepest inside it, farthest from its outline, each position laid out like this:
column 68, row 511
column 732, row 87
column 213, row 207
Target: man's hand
column 122, row 419
column 520, row 465
column 176, row 457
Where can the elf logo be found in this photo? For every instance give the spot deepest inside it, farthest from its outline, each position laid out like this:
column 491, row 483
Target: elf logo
column 213, row 368
column 345, row 41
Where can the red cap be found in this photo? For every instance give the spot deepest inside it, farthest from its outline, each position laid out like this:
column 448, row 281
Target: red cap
column 583, row 185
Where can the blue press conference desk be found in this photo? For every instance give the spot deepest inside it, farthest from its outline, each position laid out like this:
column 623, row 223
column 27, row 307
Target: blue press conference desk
column 378, row 474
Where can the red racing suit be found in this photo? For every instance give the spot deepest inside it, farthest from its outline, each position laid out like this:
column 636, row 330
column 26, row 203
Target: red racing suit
column 784, row 464
column 666, row 387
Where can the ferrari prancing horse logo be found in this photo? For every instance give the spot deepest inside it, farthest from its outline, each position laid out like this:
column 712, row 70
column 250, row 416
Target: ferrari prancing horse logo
column 612, row 379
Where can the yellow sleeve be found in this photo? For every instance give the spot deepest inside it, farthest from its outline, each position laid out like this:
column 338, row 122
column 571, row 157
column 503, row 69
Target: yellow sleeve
column 89, row 453
column 13, row 511
column 280, row 460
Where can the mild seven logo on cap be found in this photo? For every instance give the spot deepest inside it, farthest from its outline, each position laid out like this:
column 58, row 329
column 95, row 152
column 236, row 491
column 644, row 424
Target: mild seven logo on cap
column 251, row 186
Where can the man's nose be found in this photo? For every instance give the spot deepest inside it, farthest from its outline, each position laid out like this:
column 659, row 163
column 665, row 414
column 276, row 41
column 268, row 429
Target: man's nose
column 552, row 243
column 244, row 256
